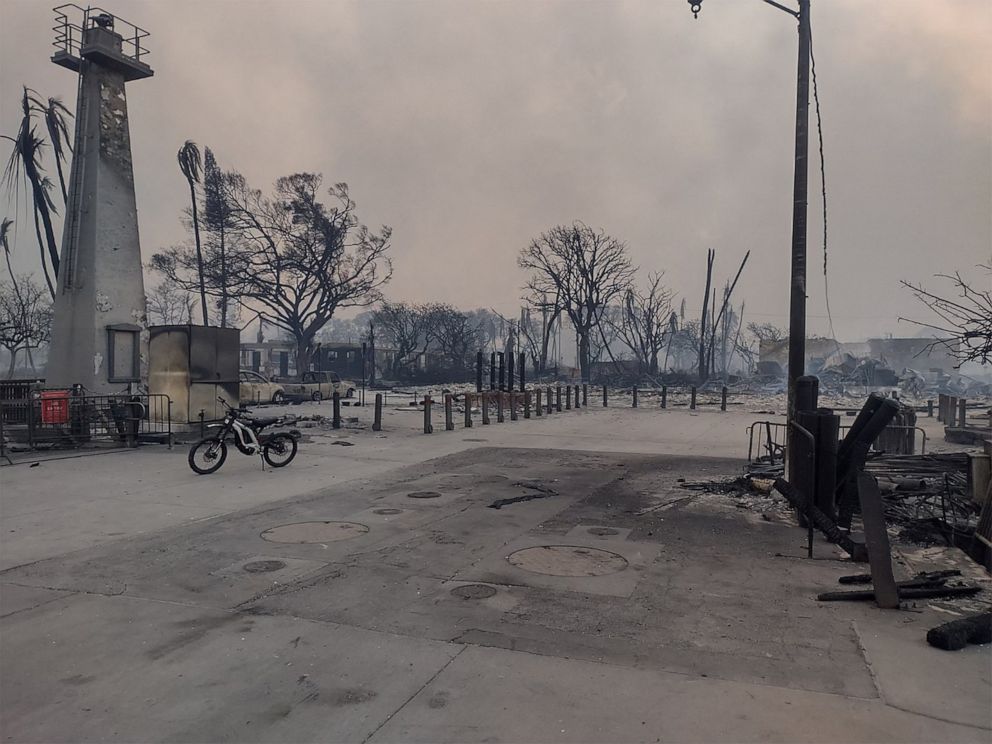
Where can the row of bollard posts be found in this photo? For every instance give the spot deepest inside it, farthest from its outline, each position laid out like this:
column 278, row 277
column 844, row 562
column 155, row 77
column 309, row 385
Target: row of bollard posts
column 949, row 408
column 542, row 402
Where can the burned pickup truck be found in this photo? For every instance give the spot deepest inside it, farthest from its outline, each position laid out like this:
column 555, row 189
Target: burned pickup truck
column 317, row 386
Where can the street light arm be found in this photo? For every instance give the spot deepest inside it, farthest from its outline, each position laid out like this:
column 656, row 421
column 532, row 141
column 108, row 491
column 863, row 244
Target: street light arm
column 695, row 5
column 790, row 11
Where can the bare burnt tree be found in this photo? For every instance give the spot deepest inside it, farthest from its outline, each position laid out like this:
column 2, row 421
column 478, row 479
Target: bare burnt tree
column 457, row 337
column 299, row 261
column 25, row 318
column 488, row 323
column 766, row 331
column 965, row 322
column 408, row 329
column 584, row 269
column 169, row 304
column 645, row 323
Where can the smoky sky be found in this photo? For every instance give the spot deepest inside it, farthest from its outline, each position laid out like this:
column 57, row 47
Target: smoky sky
column 470, row 127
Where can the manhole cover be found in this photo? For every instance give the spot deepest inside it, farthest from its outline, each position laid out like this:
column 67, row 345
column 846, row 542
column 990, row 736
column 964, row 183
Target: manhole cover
column 424, row 495
column 602, row 531
column 264, row 566
column 567, row 560
column 473, row 591
column 387, row 511
column 314, row 532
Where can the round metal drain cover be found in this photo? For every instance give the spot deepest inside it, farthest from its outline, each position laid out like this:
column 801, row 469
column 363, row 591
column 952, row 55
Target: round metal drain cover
column 473, row 591
column 264, row 566
column 387, row 512
column 602, row 531
column 424, row 495
column 314, row 532
column 567, row 560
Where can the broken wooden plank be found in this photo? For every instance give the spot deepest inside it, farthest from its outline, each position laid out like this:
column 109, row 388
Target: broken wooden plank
column 877, row 542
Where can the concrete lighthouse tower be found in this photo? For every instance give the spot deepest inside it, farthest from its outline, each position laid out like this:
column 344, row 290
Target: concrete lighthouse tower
column 99, row 334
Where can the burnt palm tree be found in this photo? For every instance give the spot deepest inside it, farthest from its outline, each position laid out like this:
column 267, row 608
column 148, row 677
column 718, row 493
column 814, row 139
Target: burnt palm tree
column 191, row 166
column 58, row 134
column 5, row 243
column 25, row 163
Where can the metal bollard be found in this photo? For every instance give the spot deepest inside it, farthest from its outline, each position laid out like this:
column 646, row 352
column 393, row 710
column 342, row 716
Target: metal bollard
column 468, row 410
column 692, row 399
column 664, row 396
column 633, row 391
column 485, row 409
column 568, row 397
column 526, row 402
column 951, row 416
column 605, row 400
column 558, row 398
column 499, row 407
column 492, row 371
column 522, row 363
column 428, row 427
column 537, row 402
column 930, row 408
column 336, row 420
column 577, row 405
column 478, row 371
column 962, row 413
column 377, row 421
column 585, row 395
column 550, row 402
column 723, row 398
column 449, row 421
column 513, row 404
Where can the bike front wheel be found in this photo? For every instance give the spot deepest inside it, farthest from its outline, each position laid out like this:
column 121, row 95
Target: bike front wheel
column 279, row 450
column 207, row 456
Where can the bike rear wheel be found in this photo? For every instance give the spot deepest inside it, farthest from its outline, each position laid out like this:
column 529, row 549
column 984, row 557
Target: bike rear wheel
column 206, row 457
column 279, row 450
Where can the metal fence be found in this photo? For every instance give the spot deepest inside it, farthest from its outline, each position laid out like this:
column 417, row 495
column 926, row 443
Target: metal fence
column 766, row 440
column 52, row 419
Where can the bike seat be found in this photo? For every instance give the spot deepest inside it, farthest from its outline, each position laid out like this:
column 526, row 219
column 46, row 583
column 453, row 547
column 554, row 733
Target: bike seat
column 258, row 423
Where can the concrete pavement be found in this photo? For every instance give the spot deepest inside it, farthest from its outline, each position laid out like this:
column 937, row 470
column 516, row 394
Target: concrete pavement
column 599, row 602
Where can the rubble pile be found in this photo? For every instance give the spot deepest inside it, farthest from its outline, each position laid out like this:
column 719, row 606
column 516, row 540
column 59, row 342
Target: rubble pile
column 927, row 496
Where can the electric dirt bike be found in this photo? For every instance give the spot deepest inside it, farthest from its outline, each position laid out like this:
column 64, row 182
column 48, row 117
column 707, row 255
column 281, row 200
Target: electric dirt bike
column 278, row 448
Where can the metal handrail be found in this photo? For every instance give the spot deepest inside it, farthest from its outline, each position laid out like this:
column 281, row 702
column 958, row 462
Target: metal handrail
column 69, row 35
column 771, row 445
